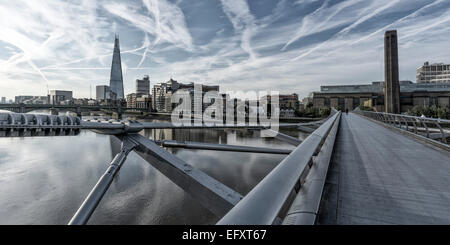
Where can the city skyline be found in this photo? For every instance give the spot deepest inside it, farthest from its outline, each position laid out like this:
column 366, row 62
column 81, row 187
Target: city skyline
column 290, row 46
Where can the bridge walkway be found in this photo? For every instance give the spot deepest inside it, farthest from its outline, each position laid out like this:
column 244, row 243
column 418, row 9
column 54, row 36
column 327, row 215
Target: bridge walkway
column 378, row 176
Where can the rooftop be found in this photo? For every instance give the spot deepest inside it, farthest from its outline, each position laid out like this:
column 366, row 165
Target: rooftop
column 377, row 87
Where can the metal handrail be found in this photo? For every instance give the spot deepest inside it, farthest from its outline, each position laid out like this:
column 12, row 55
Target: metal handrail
column 406, row 116
column 304, row 210
column 406, row 119
column 263, row 204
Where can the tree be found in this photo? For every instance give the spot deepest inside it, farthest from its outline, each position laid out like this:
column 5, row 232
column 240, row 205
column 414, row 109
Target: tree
column 430, row 111
column 313, row 112
column 365, row 108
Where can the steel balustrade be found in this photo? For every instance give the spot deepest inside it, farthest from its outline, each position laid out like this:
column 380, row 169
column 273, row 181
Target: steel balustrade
column 425, row 122
column 426, row 127
column 305, row 208
column 264, row 203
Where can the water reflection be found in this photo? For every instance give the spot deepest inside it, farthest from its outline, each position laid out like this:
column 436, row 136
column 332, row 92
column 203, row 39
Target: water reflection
column 43, row 180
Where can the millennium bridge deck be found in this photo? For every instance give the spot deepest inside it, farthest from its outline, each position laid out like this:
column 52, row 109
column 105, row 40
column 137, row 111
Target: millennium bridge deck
column 378, row 176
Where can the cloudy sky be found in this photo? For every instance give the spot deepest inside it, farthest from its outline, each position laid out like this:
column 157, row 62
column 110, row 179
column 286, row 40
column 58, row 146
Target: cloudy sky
column 285, row 45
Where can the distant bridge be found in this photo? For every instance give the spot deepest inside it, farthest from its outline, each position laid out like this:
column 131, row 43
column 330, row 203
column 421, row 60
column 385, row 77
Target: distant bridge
column 357, row 168
column 26, row 108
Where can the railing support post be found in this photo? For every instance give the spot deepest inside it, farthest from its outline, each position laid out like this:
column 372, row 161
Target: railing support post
column 415, row 125
column 396, row 120
column 391, row 120
column 426, row 127
column 406, row 123
column 444, row 138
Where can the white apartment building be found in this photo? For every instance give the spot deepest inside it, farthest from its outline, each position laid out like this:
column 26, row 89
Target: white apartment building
column 434, row 73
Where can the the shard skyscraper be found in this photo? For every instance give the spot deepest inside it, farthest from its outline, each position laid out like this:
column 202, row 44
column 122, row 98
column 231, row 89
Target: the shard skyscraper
column 116, row 81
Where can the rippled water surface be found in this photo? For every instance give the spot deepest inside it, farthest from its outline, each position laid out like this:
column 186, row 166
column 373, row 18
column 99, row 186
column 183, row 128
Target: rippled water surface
column 43, row 180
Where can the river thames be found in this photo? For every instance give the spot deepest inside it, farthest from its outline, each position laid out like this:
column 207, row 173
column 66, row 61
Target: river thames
column 43, row 180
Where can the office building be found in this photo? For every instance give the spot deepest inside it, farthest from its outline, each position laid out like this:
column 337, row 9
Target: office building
column 412, row 94
column 285, row 101
column 306, row 101
column 85, row 102
column 139, row 101
column 144, row 102
column 21, row 98
column 27, row 99
column 41, row 100
column 287, row 104
column 131, row 100
column 197, row 102
column 60, row 97
column 102, row 92
column 289, row 101
column 3, row 100
column 143, row 85
column 434, row 73
column 162, row 95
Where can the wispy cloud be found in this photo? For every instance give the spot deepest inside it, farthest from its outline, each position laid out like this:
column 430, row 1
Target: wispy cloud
column 289, row 45
column 323, row 18
column 357, row 18
column 38, row 30
column 238, row 13
column 163, row 20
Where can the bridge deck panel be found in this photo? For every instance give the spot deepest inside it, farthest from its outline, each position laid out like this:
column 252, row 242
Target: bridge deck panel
column 378, row 176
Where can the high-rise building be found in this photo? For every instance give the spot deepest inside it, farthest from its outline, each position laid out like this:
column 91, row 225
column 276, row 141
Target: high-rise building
column 162, row 95
column 116, row 81
column 21, row 98
column 144, row 102
column 392, row 86
column 3, row 100
column 131, row 100
column 28, row 99
column 143, row 86
column 434, row 73
column 289, row 101
column 162, row 92
column 37, row 100
column 102, row 92
column 60, row 96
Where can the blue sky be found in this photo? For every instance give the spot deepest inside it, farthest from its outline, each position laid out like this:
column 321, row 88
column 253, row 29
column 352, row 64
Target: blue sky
column 286, row 45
